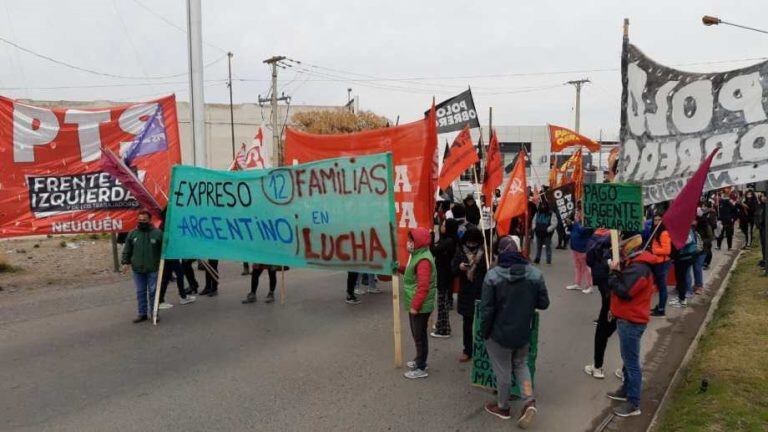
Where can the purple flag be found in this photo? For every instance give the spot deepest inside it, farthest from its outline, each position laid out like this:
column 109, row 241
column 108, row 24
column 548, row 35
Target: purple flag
column 112, row 164
column 151, row 140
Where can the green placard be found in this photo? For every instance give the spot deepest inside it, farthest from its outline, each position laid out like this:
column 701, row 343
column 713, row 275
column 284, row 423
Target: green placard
column 334, row 213
column 482, row 373
column 614, row 206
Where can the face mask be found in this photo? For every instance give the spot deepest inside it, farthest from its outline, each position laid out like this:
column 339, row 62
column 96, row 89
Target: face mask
column 409, row 246
column 144, row 226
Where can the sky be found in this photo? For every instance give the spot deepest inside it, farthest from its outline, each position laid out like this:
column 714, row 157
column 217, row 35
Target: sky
column 394, row 55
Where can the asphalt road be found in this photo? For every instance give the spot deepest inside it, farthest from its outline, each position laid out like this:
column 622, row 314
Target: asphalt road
column 73, row 361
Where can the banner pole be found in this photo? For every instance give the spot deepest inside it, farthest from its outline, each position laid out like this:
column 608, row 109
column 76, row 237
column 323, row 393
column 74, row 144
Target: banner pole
column 615, row 246
column 482, row 225
column 115, row 260
column 156, row 302
column 396, row 320
column 282, row 285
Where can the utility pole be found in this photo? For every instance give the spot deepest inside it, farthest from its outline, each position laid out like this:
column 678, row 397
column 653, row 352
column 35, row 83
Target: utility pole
column 196, row 98
column 231, row 108
column 277, row 145
column 578, row 84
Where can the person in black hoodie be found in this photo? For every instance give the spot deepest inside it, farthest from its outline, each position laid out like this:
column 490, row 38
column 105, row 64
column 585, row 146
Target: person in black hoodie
column 472, row 210
column 598, row 253
column 727, row 214
column 511, row 293
column 444, row 251
column 469, row 265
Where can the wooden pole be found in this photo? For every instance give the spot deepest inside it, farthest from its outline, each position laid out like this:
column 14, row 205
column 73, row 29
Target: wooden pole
column 482, row 225
column 115, row 260
column 282, row 285
column 615, row 246
column 156, row 302
column 396, row 320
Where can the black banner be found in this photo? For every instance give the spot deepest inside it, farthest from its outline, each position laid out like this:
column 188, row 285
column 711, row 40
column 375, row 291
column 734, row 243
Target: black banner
column 672, row 120
column 455, row 113
column 562, row 200
column 90, row 191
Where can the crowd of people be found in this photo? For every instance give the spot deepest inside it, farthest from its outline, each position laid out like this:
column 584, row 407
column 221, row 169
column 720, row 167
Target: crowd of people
column 464, row 257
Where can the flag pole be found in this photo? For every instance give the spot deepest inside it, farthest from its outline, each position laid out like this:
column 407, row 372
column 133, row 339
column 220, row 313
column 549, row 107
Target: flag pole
column 482, row 225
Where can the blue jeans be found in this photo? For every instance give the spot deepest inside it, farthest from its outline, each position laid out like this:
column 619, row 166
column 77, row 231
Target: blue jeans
column 698, row 270
column 682, row 268
column 660, row 279
column 630, row 335
column 145, row 290
column 544, row 240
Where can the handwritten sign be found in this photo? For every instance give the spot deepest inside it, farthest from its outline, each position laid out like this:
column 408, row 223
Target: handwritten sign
column 334, row 213
column 562, row 199
column 482, row 373
column 613, row 206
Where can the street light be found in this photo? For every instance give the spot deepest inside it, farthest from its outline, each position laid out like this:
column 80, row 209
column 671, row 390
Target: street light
column 710, row 20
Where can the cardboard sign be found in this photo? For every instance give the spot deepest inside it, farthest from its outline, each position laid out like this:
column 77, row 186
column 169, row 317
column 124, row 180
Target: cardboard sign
column 672, row 120
column 51, row 181
column 333, row 214
column 613, row 206
column 562, row 201
column 482, row 373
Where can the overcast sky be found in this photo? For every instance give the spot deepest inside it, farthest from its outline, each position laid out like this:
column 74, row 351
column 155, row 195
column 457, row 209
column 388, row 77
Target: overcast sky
column 420, row 48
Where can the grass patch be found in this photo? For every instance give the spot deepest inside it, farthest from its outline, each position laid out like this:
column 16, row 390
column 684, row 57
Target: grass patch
column 733, row 357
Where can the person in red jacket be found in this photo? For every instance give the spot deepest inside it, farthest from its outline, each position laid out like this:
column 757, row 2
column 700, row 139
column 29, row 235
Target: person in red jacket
column 631, row 285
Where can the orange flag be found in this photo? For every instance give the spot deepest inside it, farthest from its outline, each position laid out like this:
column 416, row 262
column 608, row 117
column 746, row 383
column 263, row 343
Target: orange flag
column 560, row 138
column 494, row 175
column 514, row 200
column 461, row 156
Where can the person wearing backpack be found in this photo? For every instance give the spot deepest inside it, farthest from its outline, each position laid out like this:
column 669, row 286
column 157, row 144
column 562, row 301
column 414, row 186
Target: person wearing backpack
column 597, row 254
column 580, row 236
column 545, row 223
column 683, row 261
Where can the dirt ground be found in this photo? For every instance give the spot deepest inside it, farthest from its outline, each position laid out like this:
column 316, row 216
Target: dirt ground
column 52, row 263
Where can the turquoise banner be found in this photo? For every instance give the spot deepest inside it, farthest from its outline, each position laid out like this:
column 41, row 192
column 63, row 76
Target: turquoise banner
column 330, row 214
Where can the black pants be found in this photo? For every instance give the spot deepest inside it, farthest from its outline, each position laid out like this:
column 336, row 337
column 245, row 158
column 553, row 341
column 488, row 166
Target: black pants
column 172, row 266
column 444, row 299
column 604, row 328
column 707, row 253
column 211, row 284
column 728, row 234
column 189, row 273
column 561, row 237
column 351, row 282
column 256, row 273
column 419, row 323
column 467, row 335
column 681, row 277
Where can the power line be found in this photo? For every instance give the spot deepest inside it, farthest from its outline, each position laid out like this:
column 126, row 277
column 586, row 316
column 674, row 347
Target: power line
column 89, row 86
column 92, row 71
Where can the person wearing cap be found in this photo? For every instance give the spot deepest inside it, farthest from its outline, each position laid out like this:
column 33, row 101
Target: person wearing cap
column 511, row 293
column 632, row 286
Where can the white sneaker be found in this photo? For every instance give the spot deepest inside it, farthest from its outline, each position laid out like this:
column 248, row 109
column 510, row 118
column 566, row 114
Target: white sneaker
column 588, row 290
column 619, row 374
column 415, row 374
column 573, row 287
column 374, row 290
column 188, row 300
column 164, row 306
column 410, row 364
column 438, row 335
column 674, row 302
column 594, row 372
column 359, row 291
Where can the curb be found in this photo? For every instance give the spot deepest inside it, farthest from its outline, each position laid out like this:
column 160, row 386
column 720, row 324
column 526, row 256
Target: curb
column 694, row 344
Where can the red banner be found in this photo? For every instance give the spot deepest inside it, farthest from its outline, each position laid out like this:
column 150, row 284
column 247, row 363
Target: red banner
column 561, row 138
column 514, row 199
column 494, row 170
column 461, row 156
column 413, row 146
column 51, row 180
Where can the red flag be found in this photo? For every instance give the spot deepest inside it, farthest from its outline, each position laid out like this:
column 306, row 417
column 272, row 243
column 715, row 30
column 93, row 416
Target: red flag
column 682, row 211
column 461, row 156
column 514, row 200
column 259, row 136
column 561, row 137
column 113, row 165
column 493, row 169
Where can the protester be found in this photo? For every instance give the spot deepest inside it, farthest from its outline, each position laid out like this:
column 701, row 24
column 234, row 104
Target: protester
column 419, row 286
column 598, row 253
column 141, row 254
column 727, row 216
column 749, row 209
column 578, row 242
column 511, row 293
column 760, row 217
column 704, row 232
column 472, row 210
column 661, row 247
column 351, row 283
column 256, row 271
column 562, row 235
column 545, row 223
column 469, row 264
column 706, row 224
column 488, row 225
column 173, row 266
column 443, row 252
column 631, row 285
column 683, row 259
column 459, row 214
column 211, row 278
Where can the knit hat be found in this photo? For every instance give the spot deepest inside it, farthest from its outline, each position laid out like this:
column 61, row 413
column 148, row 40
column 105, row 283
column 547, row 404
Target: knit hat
column 509, row 244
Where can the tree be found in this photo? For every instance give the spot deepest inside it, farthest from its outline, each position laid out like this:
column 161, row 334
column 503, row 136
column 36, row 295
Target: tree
column 339, row 121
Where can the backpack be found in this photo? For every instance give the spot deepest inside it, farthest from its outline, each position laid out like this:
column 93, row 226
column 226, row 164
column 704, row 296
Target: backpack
column 596, row 247
column 542, row 221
